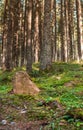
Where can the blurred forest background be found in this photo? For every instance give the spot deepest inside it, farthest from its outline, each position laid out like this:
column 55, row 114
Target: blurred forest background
column 40, row 31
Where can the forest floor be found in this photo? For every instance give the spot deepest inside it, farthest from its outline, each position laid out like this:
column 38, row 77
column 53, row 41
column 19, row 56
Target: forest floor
column 59, row 105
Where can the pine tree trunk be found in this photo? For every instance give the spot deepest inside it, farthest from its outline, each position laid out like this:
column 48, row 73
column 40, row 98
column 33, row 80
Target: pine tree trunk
column 41, row 14
column 7, row 36
column 29, row 35
column 70, row 26
column 16, row 19
column 4, row 36
column 79, row 30
column 46, row 50
column 62, row 32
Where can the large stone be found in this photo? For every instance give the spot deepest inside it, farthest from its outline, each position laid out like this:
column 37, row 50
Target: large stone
column 22, row 84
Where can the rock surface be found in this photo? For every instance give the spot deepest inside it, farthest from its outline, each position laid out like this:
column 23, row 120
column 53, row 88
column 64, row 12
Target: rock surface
column 22, row 84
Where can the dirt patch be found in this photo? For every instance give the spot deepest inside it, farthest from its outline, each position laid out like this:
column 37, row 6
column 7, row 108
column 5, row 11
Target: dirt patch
column 72, row 83
column 31, row 125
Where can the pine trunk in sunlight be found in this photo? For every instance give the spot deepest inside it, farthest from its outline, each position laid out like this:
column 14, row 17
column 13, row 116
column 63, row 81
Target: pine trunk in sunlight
column 4, row 36
column 35, row 31
column 66, row 29
column 41, row 20
column 54, row 51
column 29, row 34
column 53, row 33
column 79, row 29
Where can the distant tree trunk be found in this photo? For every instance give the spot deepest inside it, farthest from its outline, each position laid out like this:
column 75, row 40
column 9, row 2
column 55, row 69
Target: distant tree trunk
column 53, row 22
column 4, row 36
column 66, row 30
column 25, row 31
column 16, row 19
column 82, row 23
column 36, row 35
column 70, row 23
column 62, row 32
column 21, row 36
column 35, row 31
column 58, row 30
column 79, row 30
column 9, row 41
column 55, row 34
column 46, row 50
column 7, row 36
column 41, row 20
column 29, row 35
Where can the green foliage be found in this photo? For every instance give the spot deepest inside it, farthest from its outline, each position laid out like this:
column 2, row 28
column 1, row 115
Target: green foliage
column 64, row 84
column 6, row 76
column 71, row 99
column 5, row 89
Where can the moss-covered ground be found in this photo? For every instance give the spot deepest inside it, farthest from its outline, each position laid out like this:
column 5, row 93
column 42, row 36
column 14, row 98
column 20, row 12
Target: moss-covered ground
column 59, row 105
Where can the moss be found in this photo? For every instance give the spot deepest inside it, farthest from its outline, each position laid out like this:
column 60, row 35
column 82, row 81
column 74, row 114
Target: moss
column 76, row 113
column 53, row 88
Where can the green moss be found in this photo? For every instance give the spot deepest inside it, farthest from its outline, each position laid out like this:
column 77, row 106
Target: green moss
column 76, row 113
column 53, row 88
column 4, row 89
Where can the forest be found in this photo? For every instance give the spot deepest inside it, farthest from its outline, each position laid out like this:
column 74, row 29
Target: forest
column 41, row 64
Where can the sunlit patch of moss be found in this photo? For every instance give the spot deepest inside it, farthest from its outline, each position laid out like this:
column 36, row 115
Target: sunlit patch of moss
column 71, row 99
column 35, row 66
column 5, row 89
column 19, row 69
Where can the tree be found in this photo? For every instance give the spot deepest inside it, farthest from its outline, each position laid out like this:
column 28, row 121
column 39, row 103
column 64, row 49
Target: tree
column 42, row 31
column 62, row 32
column 70, row 28
column 79, row 30
column 46, row 49
column 7, row 36
column 29, row 34
column 16, row 31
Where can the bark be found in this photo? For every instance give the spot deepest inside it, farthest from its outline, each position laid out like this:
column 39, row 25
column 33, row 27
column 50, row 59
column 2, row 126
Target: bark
column 29, row 35
column 66, row 30
column 4, row 36
column 70, row 26
column 41, row 15
column 46, row 50
column 35, row 30
column 79, row 30
column 7, row 36
column 16, row 19
column 62, row 32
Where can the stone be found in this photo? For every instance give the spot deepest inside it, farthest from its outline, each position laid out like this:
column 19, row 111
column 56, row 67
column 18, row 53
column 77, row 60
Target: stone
column 23, row 111
column 12, row 123
column 22, row 84
column 4, row 122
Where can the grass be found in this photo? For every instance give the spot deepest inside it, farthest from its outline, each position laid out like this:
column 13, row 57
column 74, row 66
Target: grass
column 64, row 83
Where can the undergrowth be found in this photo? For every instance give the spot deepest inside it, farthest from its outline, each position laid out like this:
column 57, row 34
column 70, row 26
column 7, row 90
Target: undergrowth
column 64, row 84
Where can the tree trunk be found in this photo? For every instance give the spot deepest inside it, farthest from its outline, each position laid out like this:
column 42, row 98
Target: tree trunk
column 70, row 26
column 29, row 35
column 7, row 36
column 62, row 32
column 46, row 50
column 79, row 30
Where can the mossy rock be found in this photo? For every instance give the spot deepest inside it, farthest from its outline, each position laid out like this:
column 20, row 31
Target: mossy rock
column 22, row 84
